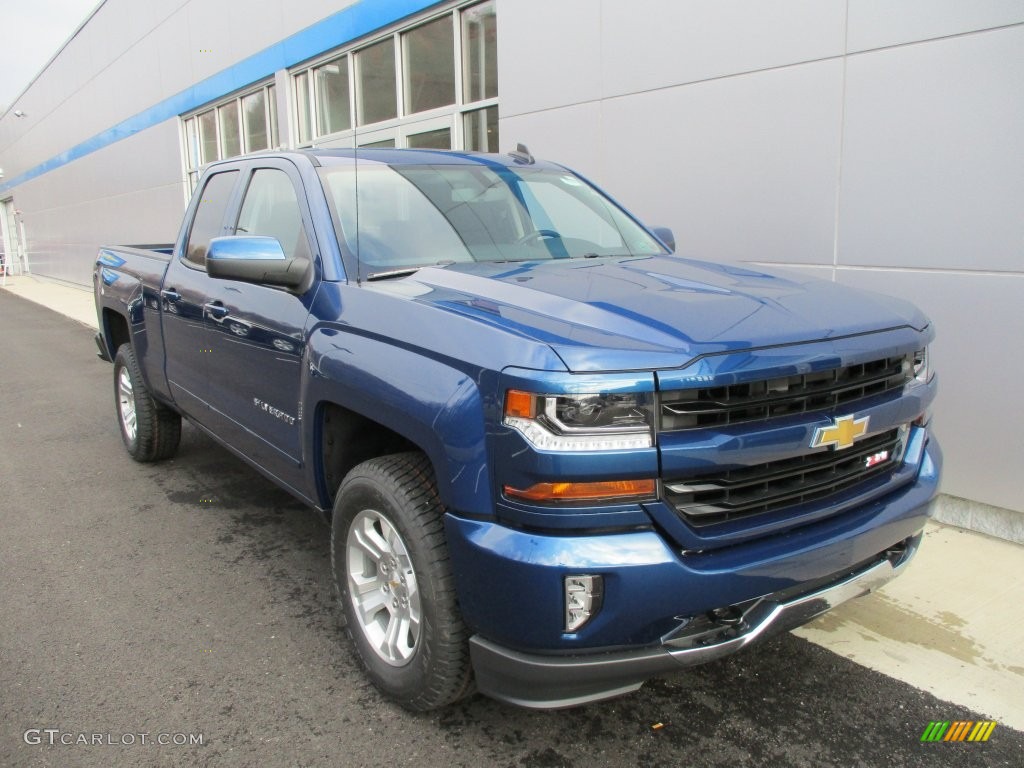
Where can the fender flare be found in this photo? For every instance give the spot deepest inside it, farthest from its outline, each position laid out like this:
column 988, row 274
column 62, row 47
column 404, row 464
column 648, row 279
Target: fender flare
column 433, row 404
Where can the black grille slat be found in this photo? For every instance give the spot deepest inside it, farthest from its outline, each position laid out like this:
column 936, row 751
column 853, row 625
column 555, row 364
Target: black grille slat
column 773, row 470
column 710, row 499
column 709, row 407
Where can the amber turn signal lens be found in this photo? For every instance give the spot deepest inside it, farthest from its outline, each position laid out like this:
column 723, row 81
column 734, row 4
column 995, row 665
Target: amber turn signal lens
column 519, row 404
column 608, row 490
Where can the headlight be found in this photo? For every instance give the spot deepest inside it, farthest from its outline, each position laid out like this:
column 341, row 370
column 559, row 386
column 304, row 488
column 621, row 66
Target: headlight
column 587, row 422
column 921, row 367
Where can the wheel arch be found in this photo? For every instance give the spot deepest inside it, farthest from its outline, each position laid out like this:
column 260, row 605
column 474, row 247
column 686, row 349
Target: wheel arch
column 395, row 400
column 115, row 331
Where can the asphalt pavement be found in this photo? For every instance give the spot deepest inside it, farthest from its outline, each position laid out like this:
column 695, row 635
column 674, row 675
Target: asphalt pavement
column 149, row 605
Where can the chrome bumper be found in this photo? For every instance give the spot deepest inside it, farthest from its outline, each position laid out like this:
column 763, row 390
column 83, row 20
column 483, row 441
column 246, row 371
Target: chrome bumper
column 552, row 682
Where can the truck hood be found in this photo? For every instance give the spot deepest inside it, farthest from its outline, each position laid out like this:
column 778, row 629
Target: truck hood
column 606, row 314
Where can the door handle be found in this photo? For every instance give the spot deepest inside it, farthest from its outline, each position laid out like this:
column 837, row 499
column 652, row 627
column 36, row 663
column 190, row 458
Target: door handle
column 170, row 294
column 217, row 311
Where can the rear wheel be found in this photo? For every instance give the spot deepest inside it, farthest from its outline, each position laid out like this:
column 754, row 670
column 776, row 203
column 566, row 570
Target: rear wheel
column 395, row 582
column 150, row 430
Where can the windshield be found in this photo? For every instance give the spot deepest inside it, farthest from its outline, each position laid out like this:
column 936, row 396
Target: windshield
column 408, row 216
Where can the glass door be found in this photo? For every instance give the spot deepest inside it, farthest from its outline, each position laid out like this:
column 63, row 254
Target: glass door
column 14, row 254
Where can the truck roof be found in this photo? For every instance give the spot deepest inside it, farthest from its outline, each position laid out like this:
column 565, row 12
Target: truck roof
column 390, row 156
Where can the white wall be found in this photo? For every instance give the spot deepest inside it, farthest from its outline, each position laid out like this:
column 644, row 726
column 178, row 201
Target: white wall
column 879, row 143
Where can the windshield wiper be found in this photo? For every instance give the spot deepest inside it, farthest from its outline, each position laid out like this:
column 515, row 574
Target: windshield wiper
column 403, row 271
column 393, row 273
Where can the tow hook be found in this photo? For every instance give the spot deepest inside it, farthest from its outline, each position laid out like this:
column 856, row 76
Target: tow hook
column 730, row 616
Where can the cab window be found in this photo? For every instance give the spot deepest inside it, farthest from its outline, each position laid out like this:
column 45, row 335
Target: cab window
column 209, row 218
column 271, row 209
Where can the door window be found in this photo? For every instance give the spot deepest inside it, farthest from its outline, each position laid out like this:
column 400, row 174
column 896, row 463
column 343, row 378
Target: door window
column 271, row 209
column 209, row 218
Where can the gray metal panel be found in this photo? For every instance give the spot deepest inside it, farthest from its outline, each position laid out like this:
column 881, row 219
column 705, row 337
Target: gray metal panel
column 741, row 168
column 976, row 354
column 212, row 50
column 880, row 23
column 173, row 47
column 549, row 54
column 74, row 209
column 933, row 154
column 653, row 44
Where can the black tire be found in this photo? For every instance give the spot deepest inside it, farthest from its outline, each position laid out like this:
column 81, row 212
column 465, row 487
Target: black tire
column 393, row 500
column 156, row 431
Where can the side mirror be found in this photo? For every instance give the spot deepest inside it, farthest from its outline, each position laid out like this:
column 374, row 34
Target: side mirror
column 254, row 260
column 667, row 238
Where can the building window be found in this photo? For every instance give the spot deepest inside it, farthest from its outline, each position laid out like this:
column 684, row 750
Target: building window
column 481, row 129
column 375, row 89
column 429, row 66
column 440, row 138
column 430, row 84
column 254, row 111
column 479, row 53
column 333, row 109
column 230, row 131
column 302, row 110
column 243, row 123
column 208, row 137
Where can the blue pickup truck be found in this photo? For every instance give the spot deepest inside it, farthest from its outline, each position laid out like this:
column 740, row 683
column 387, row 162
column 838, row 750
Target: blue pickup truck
column 556, row 458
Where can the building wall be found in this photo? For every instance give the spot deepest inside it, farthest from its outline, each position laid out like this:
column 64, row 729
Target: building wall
column 879, row 143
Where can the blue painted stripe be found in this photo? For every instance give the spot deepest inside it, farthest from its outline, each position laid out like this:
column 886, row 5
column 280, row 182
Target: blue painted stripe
column 109, row 258
column 343, row 27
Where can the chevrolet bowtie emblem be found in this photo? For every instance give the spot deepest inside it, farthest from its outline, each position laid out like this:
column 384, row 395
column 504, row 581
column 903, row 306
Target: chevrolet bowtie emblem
column 842, row 434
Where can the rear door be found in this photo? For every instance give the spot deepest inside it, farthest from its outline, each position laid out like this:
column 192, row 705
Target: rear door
column 256, row 331
column 185, row 293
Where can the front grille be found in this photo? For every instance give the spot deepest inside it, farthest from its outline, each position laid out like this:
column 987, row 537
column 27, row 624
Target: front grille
column 716, row 498
column 709, row 407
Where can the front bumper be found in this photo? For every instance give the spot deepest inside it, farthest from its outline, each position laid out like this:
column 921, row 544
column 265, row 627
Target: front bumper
column 550, row 682
column 511, row 591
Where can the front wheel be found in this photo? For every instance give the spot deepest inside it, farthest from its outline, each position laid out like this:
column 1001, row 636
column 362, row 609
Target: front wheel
column 395, row 582
column 150, row 430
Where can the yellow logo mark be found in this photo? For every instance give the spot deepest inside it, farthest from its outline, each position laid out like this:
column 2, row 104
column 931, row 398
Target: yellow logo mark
column 842, row 434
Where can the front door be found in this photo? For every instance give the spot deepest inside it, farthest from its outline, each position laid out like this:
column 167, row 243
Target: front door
column 256, row 331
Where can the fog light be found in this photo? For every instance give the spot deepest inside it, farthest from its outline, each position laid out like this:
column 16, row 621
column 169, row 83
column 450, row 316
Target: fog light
column 583, row 598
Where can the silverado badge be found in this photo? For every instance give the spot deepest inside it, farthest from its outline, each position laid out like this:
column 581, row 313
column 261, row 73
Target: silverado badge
column 843, row 433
